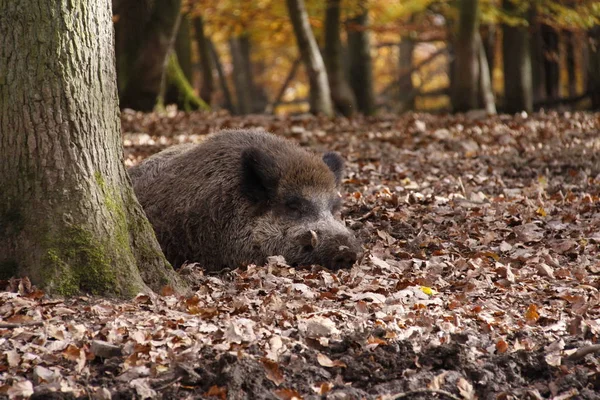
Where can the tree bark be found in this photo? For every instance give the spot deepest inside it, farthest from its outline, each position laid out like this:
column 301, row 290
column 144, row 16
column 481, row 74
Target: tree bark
column 146, row 53
column 359, row 53
column 68, row 215
column 516, row 54
column 206, row 91
column 320, row 95
column 465, row 80
column 341, row 93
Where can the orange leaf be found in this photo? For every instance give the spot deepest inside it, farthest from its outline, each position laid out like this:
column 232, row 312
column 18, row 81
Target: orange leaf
column 287, row 394
column 215, row 391
column 532, row 314
column 501, row 346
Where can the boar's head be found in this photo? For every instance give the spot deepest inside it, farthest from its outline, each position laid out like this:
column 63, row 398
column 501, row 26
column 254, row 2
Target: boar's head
column 296, row 207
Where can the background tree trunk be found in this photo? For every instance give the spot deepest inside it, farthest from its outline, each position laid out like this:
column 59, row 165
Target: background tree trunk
column 465, row 80
column 206, row 65
column 222, row 78
column 551, row 65
column 144, row 63
column 320, row 95
column 241, row 80
column 359, row 52
column 516, row 53
column 489, row 37
column 68, row 216
column 537, row 59
column 405, row 83
column 486, row 92
column 183, row 47
column 593, row 82
column 570, row 54
column 341, row 93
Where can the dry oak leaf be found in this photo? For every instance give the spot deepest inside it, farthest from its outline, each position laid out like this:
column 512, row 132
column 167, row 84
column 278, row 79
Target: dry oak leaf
column 328, row 362
column 272, row 371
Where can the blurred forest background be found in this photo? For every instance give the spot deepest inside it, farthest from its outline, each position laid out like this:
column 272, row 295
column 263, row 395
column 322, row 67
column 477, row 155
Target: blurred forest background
column 347, row 56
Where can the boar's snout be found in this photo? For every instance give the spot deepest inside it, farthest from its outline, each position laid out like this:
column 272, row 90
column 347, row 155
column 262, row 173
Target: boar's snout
column 333, row 251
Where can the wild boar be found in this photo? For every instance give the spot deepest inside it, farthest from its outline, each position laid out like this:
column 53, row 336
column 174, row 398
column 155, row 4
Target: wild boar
column 242, row 196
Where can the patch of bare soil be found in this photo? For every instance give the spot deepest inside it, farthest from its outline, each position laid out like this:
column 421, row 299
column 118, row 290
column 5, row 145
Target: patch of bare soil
column 480, row 279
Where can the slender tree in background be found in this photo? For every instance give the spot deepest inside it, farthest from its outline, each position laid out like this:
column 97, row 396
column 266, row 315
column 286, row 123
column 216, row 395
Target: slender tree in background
column 518, row 86
column 207, row 88
column 183, row 46
column 465, row 79
column 320, row 95
column 570, row 55
column 485, row 90
column 341, row 93
column 222, row 78
column 405, row 64
column 68, row 216
column 359, row 54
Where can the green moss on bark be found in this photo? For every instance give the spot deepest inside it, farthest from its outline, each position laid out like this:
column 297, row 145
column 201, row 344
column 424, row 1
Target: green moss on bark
column 187, row 97
column 76, row 262
column 131, row 234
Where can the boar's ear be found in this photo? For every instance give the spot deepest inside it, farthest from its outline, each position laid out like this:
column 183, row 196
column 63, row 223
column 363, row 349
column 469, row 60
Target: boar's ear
column 260, row 175
column 335, row 162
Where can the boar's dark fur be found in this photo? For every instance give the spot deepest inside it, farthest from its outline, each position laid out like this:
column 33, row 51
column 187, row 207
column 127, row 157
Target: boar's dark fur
column 242, row 196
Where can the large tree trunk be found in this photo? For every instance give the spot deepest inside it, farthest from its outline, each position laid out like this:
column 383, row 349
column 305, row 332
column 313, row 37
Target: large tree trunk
column 465, row 80
column 320, row 95
column 359, row 52
column 145, row 53
column 68, row 216
column 516, row 54
column 341, row 93
column 206, row 91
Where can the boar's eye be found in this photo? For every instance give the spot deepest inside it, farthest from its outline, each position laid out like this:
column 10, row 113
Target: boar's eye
column 294, row 204
column 298, row 207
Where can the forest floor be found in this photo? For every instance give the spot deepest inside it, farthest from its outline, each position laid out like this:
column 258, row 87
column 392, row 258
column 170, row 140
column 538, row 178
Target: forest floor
column 480, row 279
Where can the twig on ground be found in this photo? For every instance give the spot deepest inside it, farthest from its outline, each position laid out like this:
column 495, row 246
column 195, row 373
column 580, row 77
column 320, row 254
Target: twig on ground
column 424, row 391
column 584, row 351
column 12, row 325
